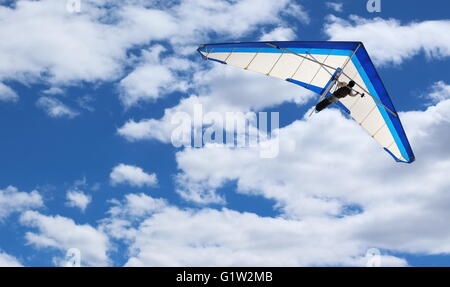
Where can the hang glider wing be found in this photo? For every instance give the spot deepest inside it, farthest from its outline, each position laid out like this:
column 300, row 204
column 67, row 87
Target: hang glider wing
column 313, row 65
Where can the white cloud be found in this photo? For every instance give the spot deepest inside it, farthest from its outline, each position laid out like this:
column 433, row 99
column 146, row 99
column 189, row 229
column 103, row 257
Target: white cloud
column 279, row 34
column 85, row 102
column 159, row 129
column 137, row 205
column 55, row 108
column 383, row 204
column 7, row 260
column 77, row 198
column 335, row 6
column 221, row 89
column 68, row 47
column 7, row 94
column 153, row 78
column 46, row 40
column 48, row 43
column 232, row 19
column 63, row 233
column 144, row 129
column 233, row 89
column 171, row 236
column 132, row 210
column 53, row 91
column 440, row 91
column 195, row 191
column 13, row 200
column 132, row 175
column 298, row 12
column 389, row 41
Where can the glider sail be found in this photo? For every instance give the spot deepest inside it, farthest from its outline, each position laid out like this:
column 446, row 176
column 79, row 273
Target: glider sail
column 314, row 66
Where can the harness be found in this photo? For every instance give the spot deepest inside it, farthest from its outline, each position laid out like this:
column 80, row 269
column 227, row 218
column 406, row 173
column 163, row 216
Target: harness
column 342, row 92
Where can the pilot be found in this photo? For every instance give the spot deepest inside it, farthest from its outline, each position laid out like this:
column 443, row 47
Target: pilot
column 343, row 91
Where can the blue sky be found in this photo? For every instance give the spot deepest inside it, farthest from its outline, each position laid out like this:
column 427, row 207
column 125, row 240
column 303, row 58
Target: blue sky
column 73, row 84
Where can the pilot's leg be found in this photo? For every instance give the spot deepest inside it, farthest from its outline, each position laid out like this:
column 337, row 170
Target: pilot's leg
column 323, row 104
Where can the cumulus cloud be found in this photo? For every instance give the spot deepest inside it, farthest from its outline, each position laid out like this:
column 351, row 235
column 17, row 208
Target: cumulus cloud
column 7, row 260
column 13, row 200
column 144, row 129
column 77, row 198
column 45, row 40
column 137, row 205
column 171, row 236
column 158, row 129
column 7, row 94
column 373, row 201
column 197, row 191
column 132, row 175
column 87, row 46
column 63, row 48
column 390, row 41
column 63, row 233
column 384, row 204
column 54, row 108
column 224, row 86
column 152, row 78
column 221, row 89
column 220, row 17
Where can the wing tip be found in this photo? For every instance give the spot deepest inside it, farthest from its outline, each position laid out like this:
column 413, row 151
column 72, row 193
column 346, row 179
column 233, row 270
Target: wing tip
column 411, row 159
column 200, row 51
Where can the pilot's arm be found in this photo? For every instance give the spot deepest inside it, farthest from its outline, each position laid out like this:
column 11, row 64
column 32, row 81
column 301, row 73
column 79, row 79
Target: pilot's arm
column 341, row 84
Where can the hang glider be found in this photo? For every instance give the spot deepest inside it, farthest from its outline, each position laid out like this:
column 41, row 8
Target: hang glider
column 316, row 66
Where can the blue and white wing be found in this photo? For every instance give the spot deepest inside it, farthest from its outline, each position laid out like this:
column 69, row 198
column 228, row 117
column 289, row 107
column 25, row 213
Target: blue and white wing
column 313, row 65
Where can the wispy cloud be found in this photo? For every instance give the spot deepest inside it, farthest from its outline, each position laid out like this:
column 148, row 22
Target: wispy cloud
column 279, row 34
column 55, row 108
column 439, row 92
column 335, row 6
column 7, row 260
column 7, row 94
